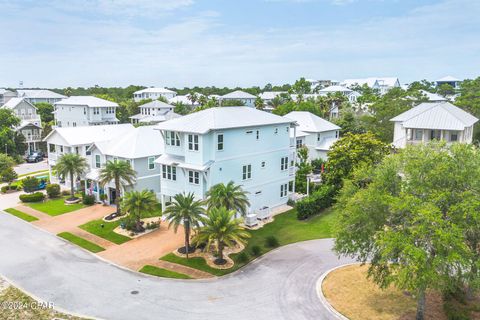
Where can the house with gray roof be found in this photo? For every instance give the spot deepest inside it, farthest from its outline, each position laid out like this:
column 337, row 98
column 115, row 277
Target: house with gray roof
column 42, row 95
column 246, row 98
column 154, row 112
column 79, row 111
column 433, row 121
column 6, row 95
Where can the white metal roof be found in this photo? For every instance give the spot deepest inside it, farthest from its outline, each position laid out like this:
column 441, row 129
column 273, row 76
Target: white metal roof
column 269, row 95
column 335, row 89
column 156, row 104
column 184, row 99
column 448, row 79
column 372, row 81
column 13, row 102
column 238, row 94
column 222, row 118
column 89, row 101
column 154, row 90
column 434, row 97
column 140, row 142
column 436, row 115
column 308, row 122
column 89, row 134
column 39, row 94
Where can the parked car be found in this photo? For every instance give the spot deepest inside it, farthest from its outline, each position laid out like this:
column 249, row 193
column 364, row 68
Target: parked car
column 34, row 157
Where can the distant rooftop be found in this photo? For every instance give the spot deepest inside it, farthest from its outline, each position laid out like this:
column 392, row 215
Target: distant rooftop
column 90, row 134
column 448, row 79
column 238, row 94
column 154, row 90
column 13, row 102
column 90, row 101
column 308, row 122
column 39, row 94
column 156, row 104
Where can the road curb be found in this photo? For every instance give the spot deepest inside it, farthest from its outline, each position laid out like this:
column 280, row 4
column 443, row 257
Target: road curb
column 333, row 312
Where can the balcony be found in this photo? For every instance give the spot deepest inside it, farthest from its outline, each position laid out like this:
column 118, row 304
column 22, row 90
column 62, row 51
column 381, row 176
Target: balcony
column 29, row 117
column 33, row 138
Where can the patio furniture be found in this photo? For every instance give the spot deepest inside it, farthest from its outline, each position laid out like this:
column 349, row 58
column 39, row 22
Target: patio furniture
column 251, row 220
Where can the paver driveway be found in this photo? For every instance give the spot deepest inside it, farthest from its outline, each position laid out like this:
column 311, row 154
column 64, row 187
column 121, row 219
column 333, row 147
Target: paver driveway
column 279, row 285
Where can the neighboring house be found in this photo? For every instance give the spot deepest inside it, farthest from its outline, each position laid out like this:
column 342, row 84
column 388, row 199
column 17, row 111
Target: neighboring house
column 80, row 111
column 30, row 125
column 36, row 96
column 315, row 133
column 349, row 94
column 153, row 93
column 6, row 95
column 140, row 147
column 268, row 96
column 77, row 140
column 250, row 147
column 185, row 99
column 381, row 84
column 433, row 97
column 429, row 121
column 247, row 98
column 454, row 82
column 154, row 112
column 322, row 83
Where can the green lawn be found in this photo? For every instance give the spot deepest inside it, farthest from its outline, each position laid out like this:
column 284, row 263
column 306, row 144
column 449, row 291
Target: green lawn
column 95, row 227
column 85, row 244
column 35, row 173
column 21, row 215
column 164, row 273
column 55, row 207
column 285, row 227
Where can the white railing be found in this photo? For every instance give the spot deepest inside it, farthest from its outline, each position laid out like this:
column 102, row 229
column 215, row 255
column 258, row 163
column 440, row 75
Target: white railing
column 33, row 137
column 29, row 117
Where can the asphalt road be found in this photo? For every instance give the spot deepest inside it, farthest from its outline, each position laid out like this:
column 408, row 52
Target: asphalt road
column 279, row 285
column 26, row 167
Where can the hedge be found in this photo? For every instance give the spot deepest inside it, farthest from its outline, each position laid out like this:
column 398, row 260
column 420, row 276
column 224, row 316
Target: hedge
column 53, row 190
column 88, row 200
column 4, row 189
column 34, row 197
column 316, row 202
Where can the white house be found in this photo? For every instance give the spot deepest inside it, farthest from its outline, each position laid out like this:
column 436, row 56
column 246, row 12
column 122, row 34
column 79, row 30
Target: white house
column 77, row 140
column 429, row 121
column 153, row 93
column 139, row 147
column 433, row 97
column 6, row 95
column 154, row 112
column 382, row 84
column 36, row 96
column 30, row 123
column 250, row 147
column 79, row 111
column 246, row 98
column 185, row 99
column 315, row 133
column 454, row 82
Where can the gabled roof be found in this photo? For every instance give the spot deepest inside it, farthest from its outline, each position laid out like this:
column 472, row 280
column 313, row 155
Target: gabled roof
column 156, row 104
column 154, row 90
column 238, row 94
column 89, row 134
column 308, row 122
column 39, row 94
column 140, row 142
column 5, row 91
column 448, row 79
column 222, row 118
column 13, row 102
column 89, row 101
column 434, row 97
column 440, row 115
column 269, row 95
column 335, row 89
column 184, row 99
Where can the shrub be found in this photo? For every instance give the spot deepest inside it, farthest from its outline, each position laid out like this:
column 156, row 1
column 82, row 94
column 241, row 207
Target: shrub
column 88, row 200
column 8, row 175
column 271, row 242
column 291, row 203
column 65, row 193
column 4, row 189
column 34, row 197
column 13, row 187
column 53, row 190
column 30, row 184
column 316, row 202
column 152, row 225
column 256, row 251
column 242, row 257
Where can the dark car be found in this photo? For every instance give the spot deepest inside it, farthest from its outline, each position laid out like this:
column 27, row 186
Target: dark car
column 35, row 157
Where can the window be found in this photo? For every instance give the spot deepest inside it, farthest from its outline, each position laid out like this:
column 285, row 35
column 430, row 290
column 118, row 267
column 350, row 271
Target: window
column 336, row 134
column 283, row 190
column 77, row 150
column 263, row 164
column 193, row 142
column 318, row 137
column 193, row 177
column 61, row 149
column 299, row 143
column 51, row 147
column 220, row 142
column 84, row 110
column 284, row 163
column 258, row 134
column 453, row 136
column 418, row 135
column 151, row 163
column 249, row 132
column 97, row 161
column 247, row 172
column 276, row 130
column 172, row 138
column 288, row 129
column 435, row 134
column 169, row 172
column 74, row 124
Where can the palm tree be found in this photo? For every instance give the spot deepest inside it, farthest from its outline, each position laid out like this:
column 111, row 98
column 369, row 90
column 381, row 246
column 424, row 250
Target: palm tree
column 137, row 203
column 230, row 196
column 187, row 210
column 221, row 230
column 72, row 165
column 121, row 173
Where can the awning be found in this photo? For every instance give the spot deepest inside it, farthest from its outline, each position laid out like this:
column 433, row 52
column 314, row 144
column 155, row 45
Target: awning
column 93, row 174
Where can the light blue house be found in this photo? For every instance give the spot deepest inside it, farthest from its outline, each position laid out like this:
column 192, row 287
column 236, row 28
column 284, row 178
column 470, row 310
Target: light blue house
column 250, row 147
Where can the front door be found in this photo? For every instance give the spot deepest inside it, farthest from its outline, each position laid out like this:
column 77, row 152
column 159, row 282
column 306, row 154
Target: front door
column 113, row 195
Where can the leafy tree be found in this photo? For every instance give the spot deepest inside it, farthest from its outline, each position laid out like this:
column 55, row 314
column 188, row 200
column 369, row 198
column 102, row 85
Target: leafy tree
column 192, row 97
column 6, row 162
column 304, row 168
column 301, row 87
column 415, row 218
column 445, row 90
column 8, row 137
column 45, row 111
column 30, row 184
column 72, row 165
column 181, row 108
column 185, row 209
column 259, row 103
column 232, row 103
column 349, row 122
column 221, row 229
column 367, row 94
column 137, row 204
column 351, row 151
column 469, row 100
column 121, row 173
column 8, row 175
column 422, row 85
column 230, row 196
column 276, row 101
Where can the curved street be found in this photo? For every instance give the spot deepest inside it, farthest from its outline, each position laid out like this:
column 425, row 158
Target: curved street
column 279, row 285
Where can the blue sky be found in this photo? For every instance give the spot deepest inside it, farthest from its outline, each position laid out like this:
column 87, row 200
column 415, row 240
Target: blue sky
column 234, row 42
